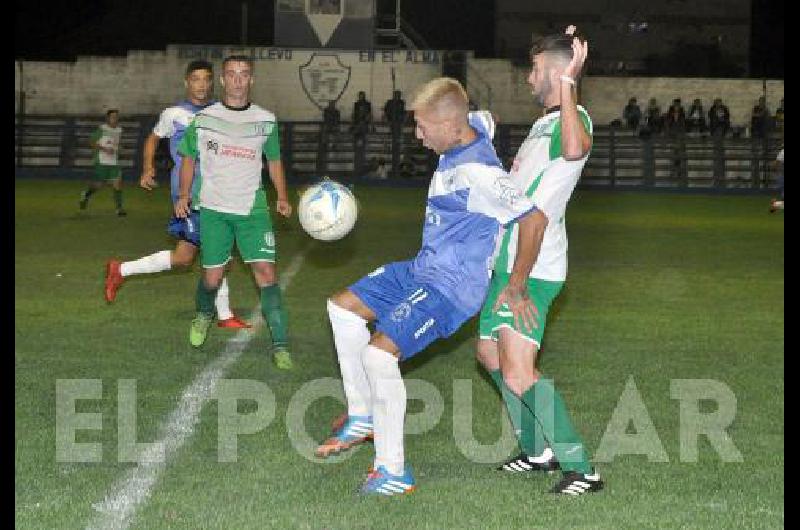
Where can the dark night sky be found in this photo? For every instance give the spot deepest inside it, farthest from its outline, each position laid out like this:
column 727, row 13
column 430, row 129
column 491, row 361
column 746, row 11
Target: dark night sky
column 111, row 27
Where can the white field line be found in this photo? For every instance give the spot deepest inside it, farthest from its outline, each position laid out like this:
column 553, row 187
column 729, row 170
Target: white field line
column 118, row 508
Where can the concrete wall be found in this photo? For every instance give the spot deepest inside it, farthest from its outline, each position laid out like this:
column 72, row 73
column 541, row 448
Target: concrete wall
column 145, row 82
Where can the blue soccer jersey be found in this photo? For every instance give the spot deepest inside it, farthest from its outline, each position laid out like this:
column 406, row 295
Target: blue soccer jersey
column 470, row 196
column 172, row 124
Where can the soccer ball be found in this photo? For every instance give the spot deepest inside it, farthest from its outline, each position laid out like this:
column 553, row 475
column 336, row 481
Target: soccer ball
column 327, row 210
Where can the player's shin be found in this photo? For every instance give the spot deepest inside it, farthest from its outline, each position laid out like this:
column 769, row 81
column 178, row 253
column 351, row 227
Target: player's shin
column 351, row 337
column 275, row 314
column 528, row 432
column 388, row 408
column 205, row 298
column 551, row 412
column 157, row 262
column 222, row 301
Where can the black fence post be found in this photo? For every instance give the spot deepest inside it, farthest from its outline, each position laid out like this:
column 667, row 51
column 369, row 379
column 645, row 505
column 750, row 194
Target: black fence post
column 648, row 160
column 719, row 161
column 67, row 155
column 612, row 158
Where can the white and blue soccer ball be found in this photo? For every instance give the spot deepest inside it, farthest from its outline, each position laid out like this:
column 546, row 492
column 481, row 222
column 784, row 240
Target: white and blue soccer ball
column 327, row 210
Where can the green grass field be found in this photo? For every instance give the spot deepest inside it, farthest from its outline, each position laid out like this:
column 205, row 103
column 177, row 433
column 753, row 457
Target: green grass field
column 661, row 287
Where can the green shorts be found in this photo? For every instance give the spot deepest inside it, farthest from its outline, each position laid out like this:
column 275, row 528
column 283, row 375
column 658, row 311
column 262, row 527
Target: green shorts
column 253, row 235
column 542, row 292
column 102, row 172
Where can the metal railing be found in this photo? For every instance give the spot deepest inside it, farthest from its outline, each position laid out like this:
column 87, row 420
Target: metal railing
column 58, row 146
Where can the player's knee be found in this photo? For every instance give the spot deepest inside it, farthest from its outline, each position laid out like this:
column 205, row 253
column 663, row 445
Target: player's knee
column 181, row 260
column 518, row 381
column 265, row 273
column 486, row 355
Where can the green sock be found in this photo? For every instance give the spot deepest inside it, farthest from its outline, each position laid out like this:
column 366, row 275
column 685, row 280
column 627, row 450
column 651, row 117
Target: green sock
column 205, row 298
column 551, row 412
column 118, row 199
column 275, row 314
column 526, row 428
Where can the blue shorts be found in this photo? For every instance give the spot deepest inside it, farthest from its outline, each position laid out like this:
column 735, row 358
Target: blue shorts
column 187, row 229
column 412, row 314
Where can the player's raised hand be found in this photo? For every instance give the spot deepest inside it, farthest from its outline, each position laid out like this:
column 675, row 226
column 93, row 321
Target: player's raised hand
column 579, row 52
column 148, row 180
column 284, row 207
column 521, row 306
column 182, row 207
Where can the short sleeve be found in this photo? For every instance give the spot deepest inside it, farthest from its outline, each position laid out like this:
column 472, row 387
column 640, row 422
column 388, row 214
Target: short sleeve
column 188, row 144
column 492, row 193
column 272, row 146
column 165, row 127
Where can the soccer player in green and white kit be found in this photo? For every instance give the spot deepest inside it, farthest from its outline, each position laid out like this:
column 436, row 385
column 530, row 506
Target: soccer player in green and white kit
column 105, row 142
column 529, row 273
column 228, row 139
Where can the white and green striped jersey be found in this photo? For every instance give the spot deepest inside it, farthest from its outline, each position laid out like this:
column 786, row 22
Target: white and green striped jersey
column 106, row 136
column 549, row 179
column 229, row 143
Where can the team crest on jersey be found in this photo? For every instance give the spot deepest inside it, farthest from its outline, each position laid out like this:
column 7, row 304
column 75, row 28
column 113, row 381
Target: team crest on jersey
column 401, row 312
column 324, row 78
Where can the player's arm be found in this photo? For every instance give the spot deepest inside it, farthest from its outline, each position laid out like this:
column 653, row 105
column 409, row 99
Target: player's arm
column 496, row 196
column 147, row 179
column 272, row 150
column 188, row 149
column 184, row 195
column 95, row 138
column 515, row 294
column 575, row 139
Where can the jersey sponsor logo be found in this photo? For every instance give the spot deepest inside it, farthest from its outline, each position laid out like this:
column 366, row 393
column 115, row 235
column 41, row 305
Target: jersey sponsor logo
column 237, row 151
column 425, row 327
column 401, row 312
column 211, row 145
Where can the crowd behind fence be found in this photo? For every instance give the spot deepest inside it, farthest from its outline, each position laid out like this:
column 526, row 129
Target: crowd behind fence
column 58, row 146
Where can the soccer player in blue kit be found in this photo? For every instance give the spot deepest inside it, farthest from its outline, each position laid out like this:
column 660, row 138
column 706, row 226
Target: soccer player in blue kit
column 172, row 124
column 415, row 302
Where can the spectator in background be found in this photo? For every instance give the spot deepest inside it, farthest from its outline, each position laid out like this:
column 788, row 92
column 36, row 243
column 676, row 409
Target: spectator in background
column 719, row 118
column 331, row 118
column 632, row 114
column 362, row 120
column 759, row 119
column 676, row 118
column 779, row 117
column 697, row 118
column 394, row 111
column 653, row 117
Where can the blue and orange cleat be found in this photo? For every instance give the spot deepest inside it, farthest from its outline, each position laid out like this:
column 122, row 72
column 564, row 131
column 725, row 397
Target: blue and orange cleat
column 351, row 431
column 381, row 482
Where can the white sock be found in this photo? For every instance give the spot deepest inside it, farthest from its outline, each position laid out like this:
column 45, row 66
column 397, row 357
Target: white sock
column 222, row 302
column 543, row 458
column 351, row 336
column 388, row 408
column 160, row 261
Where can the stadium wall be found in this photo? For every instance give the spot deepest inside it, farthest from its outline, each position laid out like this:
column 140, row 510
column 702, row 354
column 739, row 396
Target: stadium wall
column 297, row 83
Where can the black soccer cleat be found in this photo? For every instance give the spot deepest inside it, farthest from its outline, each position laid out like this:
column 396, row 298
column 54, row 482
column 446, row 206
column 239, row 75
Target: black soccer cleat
column 575, row 484
column 523, row 463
